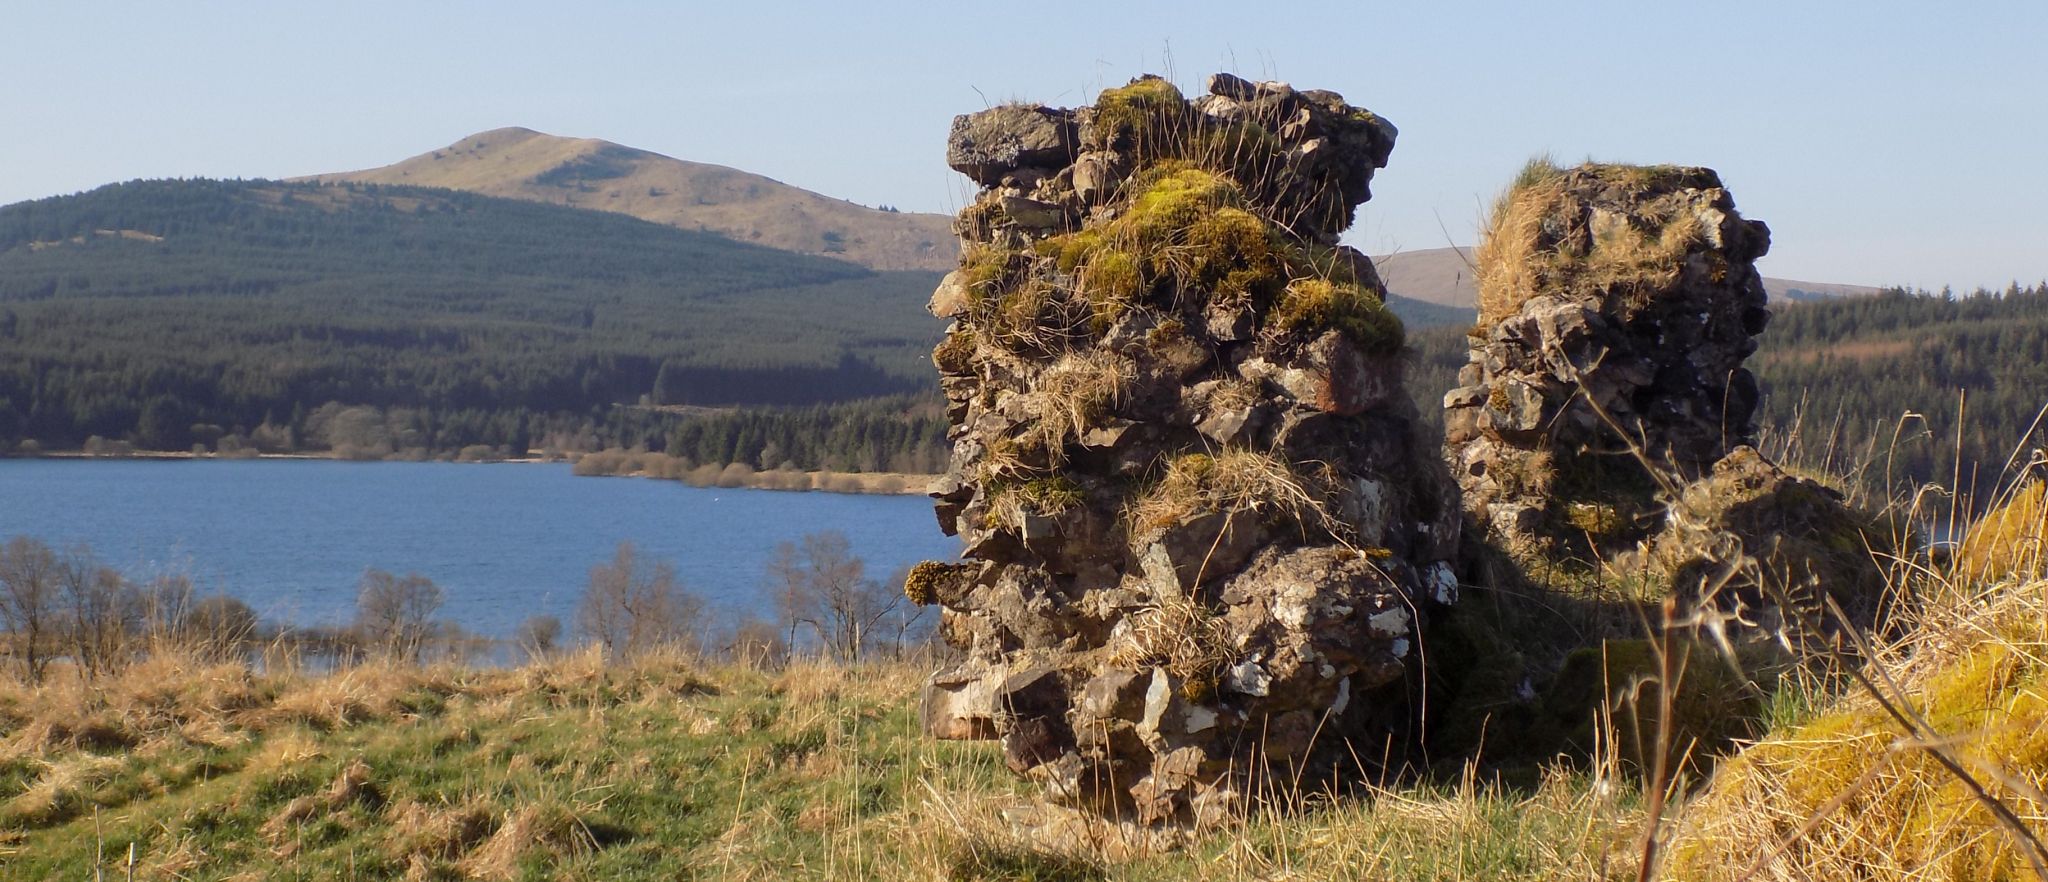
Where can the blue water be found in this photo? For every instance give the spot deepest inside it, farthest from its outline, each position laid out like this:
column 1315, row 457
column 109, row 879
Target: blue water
column 504, row 541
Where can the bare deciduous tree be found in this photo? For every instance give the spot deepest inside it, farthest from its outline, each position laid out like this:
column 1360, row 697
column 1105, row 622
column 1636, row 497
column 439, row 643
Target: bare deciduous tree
column 28, row 602
column 908, row 625
column 820, row 586
column 166, row 600
column 630, row 608
column 103, row 612
column 395, row 616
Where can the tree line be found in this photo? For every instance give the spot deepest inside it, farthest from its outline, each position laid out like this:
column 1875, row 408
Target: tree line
column 170, row 313
column 65, row 608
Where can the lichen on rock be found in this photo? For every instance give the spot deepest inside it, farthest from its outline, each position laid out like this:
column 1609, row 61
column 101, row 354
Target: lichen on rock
column 1201, row 532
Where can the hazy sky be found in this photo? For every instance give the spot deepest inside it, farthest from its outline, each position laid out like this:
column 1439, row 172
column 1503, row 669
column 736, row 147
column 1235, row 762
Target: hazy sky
column 1885, row 143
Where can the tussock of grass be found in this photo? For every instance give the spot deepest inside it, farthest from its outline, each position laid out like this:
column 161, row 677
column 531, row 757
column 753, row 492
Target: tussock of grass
column 541, row 833
column 1181, row 636
column 1230, row 481
column 1011, row 503
column 1072, row 394
column 2012, row 540
column 62, row 789
column 1847, row 794
column 1539, row 238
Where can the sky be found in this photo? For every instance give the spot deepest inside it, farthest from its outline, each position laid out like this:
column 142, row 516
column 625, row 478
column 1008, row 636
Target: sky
column 1885, row 143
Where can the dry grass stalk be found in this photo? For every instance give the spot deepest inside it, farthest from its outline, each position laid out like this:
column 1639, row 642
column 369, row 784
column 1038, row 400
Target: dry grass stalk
column 1231, row 481
column 1183, row 637
column 1071, row 395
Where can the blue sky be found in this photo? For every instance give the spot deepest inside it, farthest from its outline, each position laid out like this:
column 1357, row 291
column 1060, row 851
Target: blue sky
column 1885, row 143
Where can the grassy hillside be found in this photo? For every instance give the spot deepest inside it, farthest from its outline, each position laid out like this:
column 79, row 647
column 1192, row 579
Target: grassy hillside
column 149, row 308
column 518, row 163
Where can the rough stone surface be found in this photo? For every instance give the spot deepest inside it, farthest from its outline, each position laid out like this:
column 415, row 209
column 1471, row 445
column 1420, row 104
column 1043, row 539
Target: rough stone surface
column 987, row 146
column 1201, row 529
column 1605, row 414
column 1800, row 546
column 1617, row 306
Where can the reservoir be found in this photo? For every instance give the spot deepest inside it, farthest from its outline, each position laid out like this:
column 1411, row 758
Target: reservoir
column 504, row 541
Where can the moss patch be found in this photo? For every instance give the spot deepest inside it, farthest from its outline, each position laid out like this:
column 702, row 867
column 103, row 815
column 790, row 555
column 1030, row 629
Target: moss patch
column 2010, row 540
column 1310, row 305
column 1148, row 116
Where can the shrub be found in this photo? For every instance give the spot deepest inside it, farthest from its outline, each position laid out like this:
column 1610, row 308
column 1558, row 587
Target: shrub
column 630, row 608
column 394, row 615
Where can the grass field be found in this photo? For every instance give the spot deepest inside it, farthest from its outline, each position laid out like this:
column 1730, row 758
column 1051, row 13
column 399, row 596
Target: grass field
column 1931, row 762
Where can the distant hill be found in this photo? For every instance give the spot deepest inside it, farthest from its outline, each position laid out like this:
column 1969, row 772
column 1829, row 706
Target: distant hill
column 518, row 163
column 1444, row 276
column 1419, row 314
column 148, row 308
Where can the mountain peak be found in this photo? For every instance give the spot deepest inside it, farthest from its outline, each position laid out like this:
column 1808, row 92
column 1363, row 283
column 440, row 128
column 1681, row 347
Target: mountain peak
column 521, row 163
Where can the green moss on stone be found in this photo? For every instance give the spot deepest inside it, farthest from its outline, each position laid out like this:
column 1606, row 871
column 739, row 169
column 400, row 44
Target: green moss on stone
column 1310, row 306
column 1147, row 115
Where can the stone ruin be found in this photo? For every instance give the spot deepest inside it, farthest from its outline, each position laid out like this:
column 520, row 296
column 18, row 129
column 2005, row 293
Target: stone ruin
column 1201, row 532
column 1606, row 395
column 1617, row 304
column 1202, row 538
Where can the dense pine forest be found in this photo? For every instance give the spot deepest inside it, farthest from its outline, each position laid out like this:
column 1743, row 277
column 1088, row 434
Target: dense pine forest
column 165, row 314
column 1872, row 384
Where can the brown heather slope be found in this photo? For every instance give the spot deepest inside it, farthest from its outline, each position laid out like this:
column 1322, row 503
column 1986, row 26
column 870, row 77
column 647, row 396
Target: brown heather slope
column 1444, row 276
column 518, row 163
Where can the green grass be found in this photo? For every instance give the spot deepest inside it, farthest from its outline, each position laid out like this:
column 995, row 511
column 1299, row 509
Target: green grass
column 659, row 770
column 649, row 774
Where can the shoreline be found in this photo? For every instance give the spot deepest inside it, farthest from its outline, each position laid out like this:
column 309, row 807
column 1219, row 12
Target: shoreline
column 850, row 483
column 785, row 480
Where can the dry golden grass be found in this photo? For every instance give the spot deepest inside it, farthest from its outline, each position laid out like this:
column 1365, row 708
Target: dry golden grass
column 547, row 828
column 1071, row 395
column 1230, row 481
column 61, row 786
column 1181, row 636
column 1517, row 259
column 2012, row 540
column 1507, row 257
column 1853, row 794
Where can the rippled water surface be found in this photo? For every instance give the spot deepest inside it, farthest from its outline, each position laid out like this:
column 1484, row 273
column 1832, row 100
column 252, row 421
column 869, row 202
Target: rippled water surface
column 504, row 541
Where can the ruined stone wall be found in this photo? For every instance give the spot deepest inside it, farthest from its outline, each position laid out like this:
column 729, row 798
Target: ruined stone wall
column 1200, row 530
column 1605, row 418
column 1617, row 304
